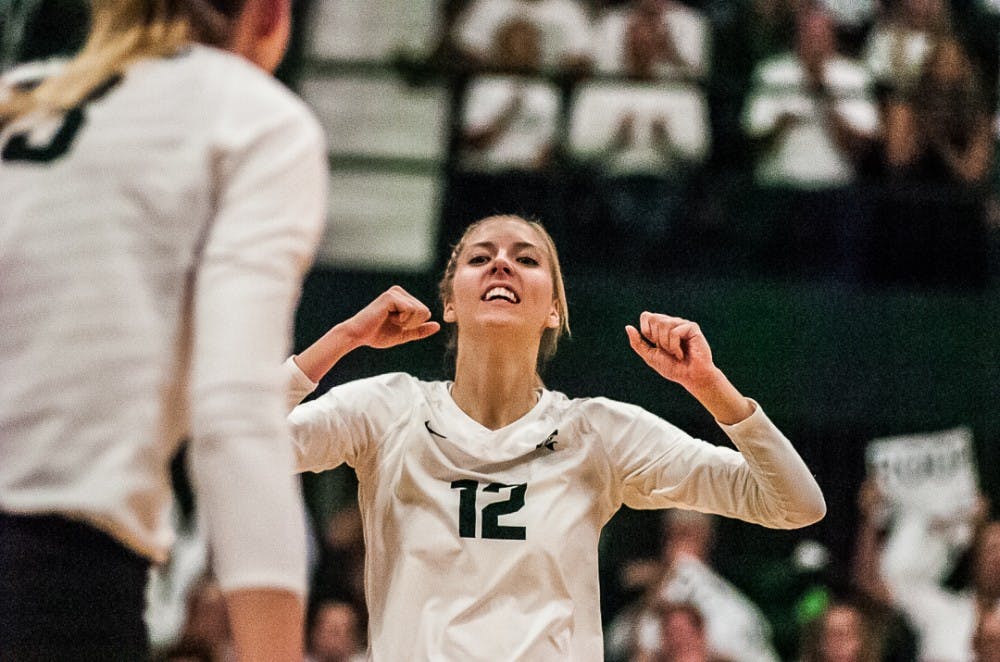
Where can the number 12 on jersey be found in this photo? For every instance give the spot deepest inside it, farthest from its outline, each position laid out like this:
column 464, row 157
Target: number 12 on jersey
column 491, row 527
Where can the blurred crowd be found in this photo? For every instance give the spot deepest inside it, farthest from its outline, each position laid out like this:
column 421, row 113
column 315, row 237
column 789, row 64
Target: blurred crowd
column 849, row 141
column 916, row 588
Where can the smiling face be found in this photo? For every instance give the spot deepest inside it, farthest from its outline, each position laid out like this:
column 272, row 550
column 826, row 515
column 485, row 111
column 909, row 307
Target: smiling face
column 504, row 275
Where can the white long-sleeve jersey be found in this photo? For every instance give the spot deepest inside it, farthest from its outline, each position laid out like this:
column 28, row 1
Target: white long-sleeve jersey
column 482, row 544
column 152, row 244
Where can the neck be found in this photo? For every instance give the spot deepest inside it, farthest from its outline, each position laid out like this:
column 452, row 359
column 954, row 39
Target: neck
column 495, row 385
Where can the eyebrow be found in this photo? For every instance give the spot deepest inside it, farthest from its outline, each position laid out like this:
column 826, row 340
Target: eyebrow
column 518, row 245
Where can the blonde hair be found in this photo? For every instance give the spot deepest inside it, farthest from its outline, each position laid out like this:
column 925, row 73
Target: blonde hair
column 122, row 32
column 550, row 337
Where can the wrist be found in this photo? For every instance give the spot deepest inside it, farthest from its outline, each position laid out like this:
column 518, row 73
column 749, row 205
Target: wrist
column 709, row 382
column 350, row 335
column 717, row 394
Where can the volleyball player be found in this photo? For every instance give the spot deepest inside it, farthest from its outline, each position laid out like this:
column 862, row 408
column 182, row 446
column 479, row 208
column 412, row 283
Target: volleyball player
column 161, row 197
column 483, row 498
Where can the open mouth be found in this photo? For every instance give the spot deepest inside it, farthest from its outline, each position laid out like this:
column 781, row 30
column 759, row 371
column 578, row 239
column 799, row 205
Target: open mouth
column 501, row 293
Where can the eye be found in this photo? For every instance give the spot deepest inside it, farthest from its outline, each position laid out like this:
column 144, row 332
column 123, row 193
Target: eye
column 526, row 259
column 478, row 259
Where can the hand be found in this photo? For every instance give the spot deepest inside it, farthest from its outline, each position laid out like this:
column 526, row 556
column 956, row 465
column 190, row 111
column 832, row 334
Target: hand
column 625, row 134
column 679, row 351
column 393, row 318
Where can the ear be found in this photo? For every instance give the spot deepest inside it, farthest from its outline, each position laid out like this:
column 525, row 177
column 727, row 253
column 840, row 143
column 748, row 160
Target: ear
column 448, row 315
column 261, row 32
column 554, row 319
column 272, row 15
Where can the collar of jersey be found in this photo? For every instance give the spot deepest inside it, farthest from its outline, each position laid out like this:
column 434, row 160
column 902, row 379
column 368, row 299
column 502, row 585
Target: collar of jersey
column 512, row 440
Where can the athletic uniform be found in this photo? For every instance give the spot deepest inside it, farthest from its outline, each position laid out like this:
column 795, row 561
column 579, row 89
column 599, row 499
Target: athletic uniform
column 482, row 544
column 152, row 242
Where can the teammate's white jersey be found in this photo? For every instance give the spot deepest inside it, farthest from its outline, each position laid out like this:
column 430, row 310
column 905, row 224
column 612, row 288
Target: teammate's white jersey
column 152, row 243
column 482, row 544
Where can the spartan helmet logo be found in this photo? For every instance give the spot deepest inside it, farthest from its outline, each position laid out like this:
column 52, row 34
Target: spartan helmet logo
column 550, row 441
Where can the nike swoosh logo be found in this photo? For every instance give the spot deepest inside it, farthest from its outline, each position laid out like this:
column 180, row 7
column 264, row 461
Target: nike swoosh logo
column 427, row 424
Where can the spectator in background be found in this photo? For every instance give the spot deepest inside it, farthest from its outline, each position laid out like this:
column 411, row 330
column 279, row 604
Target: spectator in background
column 810, row 116
column 334, row 633
column 907, row 567
column 508, row 133
column 652, row 40
column 939, row 147
column 986, row 640
column 642, row 137
column 986, row 576
column 899, row 42
column 842, row 633
column 340, row 569
column 562, row 26
column 206, row 626
column 732, row 626
column 680, row 634
column 896, row 638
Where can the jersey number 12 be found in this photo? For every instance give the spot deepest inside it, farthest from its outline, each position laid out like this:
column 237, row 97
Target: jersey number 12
column 491, row 527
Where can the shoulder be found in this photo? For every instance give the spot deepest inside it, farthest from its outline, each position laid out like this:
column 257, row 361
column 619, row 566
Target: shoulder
column 244, row 93
column 386, row 385
column 379, row 400
column 599, row 414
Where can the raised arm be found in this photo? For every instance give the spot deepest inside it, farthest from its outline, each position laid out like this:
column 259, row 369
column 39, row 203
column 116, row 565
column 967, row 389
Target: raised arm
column 677, row 350
column 767, row 483
column 393, row 318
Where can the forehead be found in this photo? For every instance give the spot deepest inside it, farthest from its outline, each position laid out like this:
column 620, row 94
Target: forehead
column 841, row 615
column 505, row 231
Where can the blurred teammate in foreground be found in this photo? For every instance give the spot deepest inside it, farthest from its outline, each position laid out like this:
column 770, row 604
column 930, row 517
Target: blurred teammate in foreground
column 162, row 197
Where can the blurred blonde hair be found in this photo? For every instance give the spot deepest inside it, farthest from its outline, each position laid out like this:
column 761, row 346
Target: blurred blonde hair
column 122, row 32
column 550, row 337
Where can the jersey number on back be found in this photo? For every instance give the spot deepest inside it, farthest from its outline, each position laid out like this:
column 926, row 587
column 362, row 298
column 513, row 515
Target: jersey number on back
column 18, row 148
column 491, row 527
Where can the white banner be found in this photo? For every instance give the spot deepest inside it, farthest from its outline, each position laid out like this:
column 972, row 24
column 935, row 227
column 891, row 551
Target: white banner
column 933, row 474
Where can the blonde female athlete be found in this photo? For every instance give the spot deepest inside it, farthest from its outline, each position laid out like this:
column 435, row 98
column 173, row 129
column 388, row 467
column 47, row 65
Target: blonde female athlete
column 483, row 498
column 161, row 197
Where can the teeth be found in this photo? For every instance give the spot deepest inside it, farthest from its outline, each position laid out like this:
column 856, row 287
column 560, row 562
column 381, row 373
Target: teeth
column 500, row 293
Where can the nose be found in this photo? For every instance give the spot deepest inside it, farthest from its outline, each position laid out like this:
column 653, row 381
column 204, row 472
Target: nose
column 501, row 264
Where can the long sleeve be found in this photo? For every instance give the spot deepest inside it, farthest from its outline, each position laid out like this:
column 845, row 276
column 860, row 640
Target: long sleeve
column 272, row 180
column 660, row 466
column 345, row 424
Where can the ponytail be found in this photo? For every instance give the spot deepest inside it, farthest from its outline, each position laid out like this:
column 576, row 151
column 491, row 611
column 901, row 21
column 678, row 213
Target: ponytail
column 122, row 32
